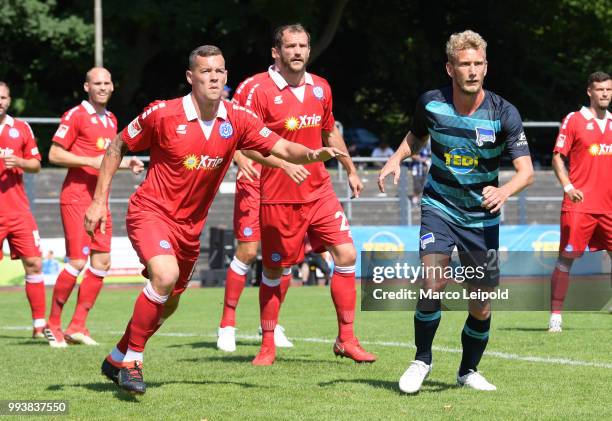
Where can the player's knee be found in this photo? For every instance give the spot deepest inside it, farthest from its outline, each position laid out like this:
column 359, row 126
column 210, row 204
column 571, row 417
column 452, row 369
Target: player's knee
column 32, row 265
column 164, row 281
column 347, row 256
column 480, row 313
column 78, row 264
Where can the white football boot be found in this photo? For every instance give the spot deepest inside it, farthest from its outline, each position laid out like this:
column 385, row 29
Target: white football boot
column 226, row 338
column 412, row 379
column 475, row 380
column 554, row 324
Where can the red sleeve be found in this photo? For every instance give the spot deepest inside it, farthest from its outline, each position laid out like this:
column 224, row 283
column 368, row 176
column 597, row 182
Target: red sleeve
column 30, row 149
column 566, row 136
column 253, row 134
column 67, row 132
column 258, row 103
column 140, row 133
column 327, row 124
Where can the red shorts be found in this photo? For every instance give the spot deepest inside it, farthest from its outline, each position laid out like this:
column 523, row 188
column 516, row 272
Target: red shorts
column 153, row 235
column 246, row 213
column 284, row 226
column 21, row 232
column 579, row 229
column 78, row 243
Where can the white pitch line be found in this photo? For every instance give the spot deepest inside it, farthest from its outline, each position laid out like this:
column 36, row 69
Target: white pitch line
column 495, row 354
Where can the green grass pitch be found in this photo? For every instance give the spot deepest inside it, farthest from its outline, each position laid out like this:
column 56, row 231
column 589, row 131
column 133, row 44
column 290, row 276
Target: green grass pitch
column 538, row 375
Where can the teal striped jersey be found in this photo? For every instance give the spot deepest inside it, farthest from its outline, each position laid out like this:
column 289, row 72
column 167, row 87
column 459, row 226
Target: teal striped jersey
column 466, row 152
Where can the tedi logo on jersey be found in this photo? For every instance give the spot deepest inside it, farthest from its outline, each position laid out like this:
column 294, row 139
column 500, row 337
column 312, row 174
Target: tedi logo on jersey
column 302, row 122
column 461, row 160
column 484, row 135
column 601, row 149
column 203, row 162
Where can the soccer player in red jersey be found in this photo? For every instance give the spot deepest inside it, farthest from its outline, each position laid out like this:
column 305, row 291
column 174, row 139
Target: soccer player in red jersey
column 84, row 133
column 298, row 105
column 585, row 139
column 246, row 229
column 19, row 154
column 192, row 141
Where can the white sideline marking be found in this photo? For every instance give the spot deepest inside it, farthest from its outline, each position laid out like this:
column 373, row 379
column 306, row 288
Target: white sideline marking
column 496, row 354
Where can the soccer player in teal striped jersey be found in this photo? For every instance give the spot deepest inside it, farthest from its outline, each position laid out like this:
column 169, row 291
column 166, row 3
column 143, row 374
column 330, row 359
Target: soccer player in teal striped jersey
column 470, row 129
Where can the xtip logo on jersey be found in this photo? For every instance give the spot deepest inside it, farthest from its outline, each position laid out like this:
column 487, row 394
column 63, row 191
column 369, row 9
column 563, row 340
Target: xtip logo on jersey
column 102, row 143
column 204, row 162
column 461, row 160
column 302, row 122
column 601, row 149
column 6, row 152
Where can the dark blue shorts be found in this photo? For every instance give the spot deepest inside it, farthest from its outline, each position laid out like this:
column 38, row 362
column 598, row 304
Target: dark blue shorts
column 477, row 247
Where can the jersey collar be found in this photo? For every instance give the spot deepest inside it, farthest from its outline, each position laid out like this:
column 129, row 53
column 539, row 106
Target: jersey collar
column 192, row 114
column 8, row 121
column 588, row 115
column 280, row 81
column 90, row 109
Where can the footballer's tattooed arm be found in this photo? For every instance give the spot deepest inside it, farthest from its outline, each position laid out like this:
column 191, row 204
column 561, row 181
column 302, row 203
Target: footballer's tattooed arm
column 96, row 212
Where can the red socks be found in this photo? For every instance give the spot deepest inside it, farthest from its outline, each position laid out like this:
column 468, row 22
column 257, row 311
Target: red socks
column 344, row 296
column 88, row 292
column 558, row 288
column 269, row 305
column 234, row 284
column 35, row 291
column 145, row 319
column 61, row 292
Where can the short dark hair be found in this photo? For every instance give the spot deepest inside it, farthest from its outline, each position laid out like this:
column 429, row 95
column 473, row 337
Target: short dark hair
column 8, row 88
column 277, row 39
column 203, row 51
column 597, row 77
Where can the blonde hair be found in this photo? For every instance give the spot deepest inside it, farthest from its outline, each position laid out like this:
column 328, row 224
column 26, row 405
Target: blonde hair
column 463, row 41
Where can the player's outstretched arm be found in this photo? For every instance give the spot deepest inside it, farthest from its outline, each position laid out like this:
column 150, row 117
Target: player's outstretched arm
column 335, row 139
column 560, row 170
column 297, row 173
column 300, row 154
column 409, row 146
column 96, row 213
column 495, row 197
column 245, row 167
column 60, row 156
column 31, row 165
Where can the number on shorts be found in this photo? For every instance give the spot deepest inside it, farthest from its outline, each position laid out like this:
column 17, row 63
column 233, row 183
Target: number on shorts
column 492, row 260
column 343, row 224
column 36, row 236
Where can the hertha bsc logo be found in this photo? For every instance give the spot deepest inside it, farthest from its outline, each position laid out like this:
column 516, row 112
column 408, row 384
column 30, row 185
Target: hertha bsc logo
column 226, row 130
column 484, row 135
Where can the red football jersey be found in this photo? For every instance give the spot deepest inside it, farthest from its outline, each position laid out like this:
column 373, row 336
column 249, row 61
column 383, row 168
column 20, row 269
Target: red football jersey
column 244, row 96
column 299, row 115
column 589, row 151
column 83, row 132
column 16, row 138
column 186, row 167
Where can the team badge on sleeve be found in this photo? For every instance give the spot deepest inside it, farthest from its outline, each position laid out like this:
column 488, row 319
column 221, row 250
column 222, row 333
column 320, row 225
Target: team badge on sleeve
column 34, row 151
column 226, row 130
column 134, row 128
column 265, row 132
column 317, row 91
column 61, row 131
column 560, row 141
column 484, row 135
